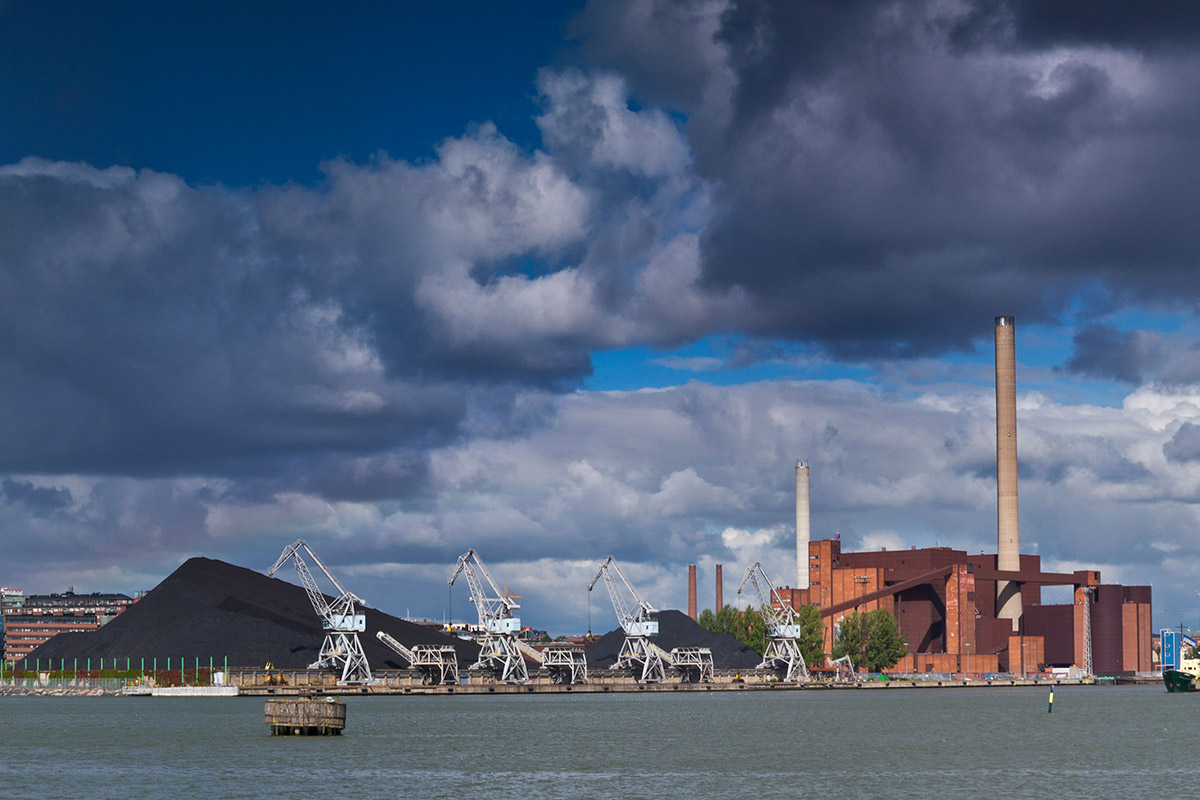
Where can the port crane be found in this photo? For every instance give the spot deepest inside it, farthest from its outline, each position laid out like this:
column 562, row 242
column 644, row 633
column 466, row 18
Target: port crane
column 499, row 649
column 340, row 619
column 437, row 663
column 783, row 652
column 644, row 658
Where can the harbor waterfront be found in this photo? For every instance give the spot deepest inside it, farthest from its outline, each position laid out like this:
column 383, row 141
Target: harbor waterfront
column 1098, row 742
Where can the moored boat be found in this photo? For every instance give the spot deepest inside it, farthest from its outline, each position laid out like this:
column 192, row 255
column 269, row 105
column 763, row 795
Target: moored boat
column 1179, row 681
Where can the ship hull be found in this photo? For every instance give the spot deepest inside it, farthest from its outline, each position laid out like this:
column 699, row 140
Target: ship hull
column 1177, row 681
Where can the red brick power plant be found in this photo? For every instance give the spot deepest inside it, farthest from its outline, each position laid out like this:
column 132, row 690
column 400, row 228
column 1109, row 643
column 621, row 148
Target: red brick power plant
column 977, row 613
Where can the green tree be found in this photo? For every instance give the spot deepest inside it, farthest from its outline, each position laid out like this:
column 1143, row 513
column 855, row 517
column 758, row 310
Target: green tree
column 885, row 646
column 754, row 631
column 729, row 621
column 849, row 638
column 745, row 626
column 812, row 636
column 872, row 640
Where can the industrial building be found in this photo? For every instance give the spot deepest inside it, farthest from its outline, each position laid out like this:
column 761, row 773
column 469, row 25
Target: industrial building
column 33, row 620
column 977, row 613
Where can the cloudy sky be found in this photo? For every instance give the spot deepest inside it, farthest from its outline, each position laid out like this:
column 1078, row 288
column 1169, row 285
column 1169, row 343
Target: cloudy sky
column 566, row 280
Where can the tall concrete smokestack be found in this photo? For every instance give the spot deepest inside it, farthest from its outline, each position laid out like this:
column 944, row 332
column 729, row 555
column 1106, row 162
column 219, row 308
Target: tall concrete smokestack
column 802, row 525
column 720, row 591
column 692, row 591
column 1008, row 539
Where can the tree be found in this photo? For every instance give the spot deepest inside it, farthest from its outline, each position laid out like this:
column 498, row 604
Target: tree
column 754, row 633
column 849, row 638
column 812, row 636
column 745, row 626
column 872, row 640
column 885, row 645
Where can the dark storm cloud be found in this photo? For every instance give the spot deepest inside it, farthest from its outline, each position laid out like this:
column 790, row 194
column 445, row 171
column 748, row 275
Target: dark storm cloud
column 664, row 47
column 148, row 326
column 885, row 186
column 40, row 500
column 1184, row 446
column 1116, row 23
column 1104, row 351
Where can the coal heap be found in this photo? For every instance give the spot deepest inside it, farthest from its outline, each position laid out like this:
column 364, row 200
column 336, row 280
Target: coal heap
column 209, row 608
column 676, row 629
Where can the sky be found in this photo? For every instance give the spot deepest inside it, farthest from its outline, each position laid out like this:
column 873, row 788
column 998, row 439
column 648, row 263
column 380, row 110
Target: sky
column 562, row 280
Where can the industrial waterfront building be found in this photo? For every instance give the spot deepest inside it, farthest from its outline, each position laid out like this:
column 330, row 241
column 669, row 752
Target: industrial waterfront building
column 945, row 602
column 33, row 620
column 977, row 613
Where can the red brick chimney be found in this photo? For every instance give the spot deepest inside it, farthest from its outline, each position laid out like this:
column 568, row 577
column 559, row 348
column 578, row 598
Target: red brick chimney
column 692, row 591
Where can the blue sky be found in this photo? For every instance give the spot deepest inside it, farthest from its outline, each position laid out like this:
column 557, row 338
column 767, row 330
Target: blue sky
column 562, row 280
column 241, row 94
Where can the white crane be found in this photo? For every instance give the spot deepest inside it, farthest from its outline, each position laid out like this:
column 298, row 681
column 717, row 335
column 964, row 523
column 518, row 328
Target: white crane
column 783, row 652
column 341, row 648
column 437, row 663
column 843, row 667
column 636, row 616
column 499, row 650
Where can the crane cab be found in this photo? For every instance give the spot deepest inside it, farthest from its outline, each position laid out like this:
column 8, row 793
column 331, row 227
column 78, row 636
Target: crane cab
column 345, row 622
column 646, row 627
column 504, row 625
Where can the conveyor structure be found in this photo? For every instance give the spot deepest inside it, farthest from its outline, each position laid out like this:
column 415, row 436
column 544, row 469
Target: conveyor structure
column 341, row 650
column 565, row 664
column 437, row 663
column 783, row 651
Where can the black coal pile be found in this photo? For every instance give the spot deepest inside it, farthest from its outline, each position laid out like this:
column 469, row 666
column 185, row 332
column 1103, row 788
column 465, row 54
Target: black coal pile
column 676, row 629
column 209, row 608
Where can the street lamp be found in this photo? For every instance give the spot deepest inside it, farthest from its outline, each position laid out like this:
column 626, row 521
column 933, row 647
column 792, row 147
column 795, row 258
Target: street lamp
column 1024, row 669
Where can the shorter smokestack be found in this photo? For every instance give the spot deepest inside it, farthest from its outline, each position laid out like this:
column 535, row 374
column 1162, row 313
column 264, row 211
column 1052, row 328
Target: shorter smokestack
column 692, row 591
column 720, row 591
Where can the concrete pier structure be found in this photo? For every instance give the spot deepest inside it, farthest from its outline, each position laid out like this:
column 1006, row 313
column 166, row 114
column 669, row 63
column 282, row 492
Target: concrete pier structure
column 305, row 717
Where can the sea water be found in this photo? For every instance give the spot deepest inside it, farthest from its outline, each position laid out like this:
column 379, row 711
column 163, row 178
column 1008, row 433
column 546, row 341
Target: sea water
column 1099, row 742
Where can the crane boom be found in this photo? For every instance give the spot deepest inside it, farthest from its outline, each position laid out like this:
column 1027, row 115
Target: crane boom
column 778, row 617
column 339, row 617
column 495, row 609
column 635, row 623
